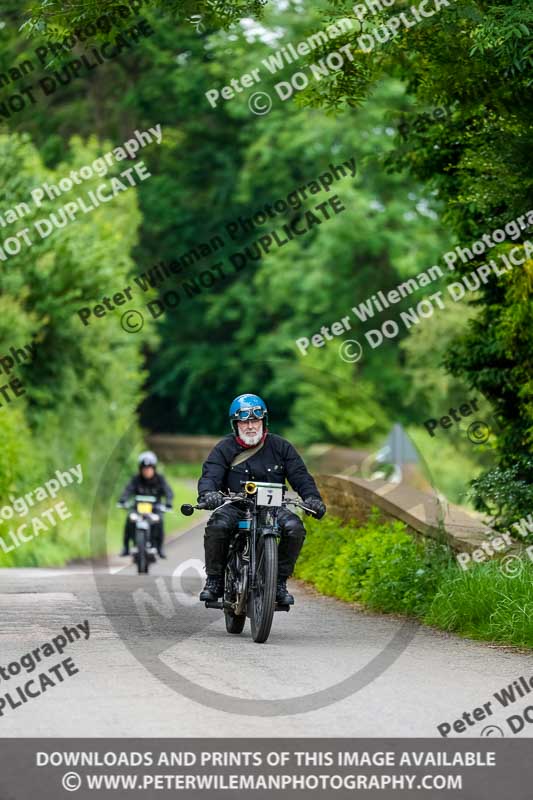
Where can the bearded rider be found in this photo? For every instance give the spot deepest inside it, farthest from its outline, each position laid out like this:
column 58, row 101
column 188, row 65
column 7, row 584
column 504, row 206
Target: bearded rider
column 273, row 460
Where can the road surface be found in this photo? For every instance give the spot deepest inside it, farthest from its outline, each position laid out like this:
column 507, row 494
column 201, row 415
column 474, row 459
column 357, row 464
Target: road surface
column 176, row 672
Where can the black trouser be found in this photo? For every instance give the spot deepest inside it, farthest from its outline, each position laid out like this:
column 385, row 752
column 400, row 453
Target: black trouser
column 157, row 533
column 223, row 523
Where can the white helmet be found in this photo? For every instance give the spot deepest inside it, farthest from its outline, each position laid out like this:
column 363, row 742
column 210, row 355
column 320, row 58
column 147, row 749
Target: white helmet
column 147, row 459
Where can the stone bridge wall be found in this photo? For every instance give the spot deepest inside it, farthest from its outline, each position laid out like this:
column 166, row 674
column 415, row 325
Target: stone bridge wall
column 425, row 513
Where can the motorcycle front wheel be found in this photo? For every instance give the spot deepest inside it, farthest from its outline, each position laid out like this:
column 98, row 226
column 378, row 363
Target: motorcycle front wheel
column 142, row 560
column 263, row 597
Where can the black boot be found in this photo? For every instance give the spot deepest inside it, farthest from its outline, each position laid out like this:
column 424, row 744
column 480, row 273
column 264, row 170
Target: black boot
column 161, row 552
column 126, row 540
column 283, row 598
column 213, row 589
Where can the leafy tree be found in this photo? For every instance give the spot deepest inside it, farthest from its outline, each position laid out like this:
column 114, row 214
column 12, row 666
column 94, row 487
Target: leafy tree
column 56, row 17
column 84, row 383
column 218, row 164
column 474, row 59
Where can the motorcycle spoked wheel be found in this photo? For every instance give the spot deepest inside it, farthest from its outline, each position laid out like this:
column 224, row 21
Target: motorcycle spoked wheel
column 234, row 622
column 263, row 597
column 141, row 557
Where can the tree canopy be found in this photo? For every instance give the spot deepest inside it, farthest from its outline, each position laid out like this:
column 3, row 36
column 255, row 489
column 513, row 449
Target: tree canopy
column 438, row 120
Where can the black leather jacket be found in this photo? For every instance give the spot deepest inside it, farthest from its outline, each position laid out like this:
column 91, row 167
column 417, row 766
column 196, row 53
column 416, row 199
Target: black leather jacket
column 156, row 486
column 276, row 462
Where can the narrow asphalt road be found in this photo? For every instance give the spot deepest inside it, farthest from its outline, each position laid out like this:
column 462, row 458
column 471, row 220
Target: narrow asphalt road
column 157, row 663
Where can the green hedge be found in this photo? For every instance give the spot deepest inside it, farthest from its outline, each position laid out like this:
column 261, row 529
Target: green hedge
column 384, row 567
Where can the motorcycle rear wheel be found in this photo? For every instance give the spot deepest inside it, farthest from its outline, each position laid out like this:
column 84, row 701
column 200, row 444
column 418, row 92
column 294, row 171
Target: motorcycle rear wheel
column 263, row 597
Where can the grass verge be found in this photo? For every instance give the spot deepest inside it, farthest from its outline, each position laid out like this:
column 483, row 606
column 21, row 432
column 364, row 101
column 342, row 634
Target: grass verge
column 382, row 566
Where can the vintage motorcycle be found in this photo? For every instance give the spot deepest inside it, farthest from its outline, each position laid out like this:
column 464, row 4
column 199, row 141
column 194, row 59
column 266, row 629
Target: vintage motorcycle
column 144, row 511
column 252, row 566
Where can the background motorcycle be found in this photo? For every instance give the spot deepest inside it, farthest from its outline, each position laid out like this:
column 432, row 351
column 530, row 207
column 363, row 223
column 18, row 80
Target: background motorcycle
column 252, row 566
column 146, row 511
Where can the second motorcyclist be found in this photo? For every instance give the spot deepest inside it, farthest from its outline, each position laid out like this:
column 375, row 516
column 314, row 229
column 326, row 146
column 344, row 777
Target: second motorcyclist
column 147, row 482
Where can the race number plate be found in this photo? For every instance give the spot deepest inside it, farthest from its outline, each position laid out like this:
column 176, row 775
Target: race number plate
column 269, row 495
column 144, row 508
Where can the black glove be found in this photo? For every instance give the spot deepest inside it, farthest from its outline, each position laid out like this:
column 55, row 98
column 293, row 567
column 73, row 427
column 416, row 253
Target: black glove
column 316, row 505
column 211, row 500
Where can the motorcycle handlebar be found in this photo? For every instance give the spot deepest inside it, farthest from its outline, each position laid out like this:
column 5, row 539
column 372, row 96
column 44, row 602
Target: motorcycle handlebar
column 301, row 505
column 187, row 509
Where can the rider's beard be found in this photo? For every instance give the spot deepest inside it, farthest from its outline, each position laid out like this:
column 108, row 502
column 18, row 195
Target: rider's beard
column 252, row 438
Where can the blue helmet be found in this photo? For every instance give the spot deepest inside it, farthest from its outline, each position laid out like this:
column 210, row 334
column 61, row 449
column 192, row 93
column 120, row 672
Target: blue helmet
column 245, row 406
